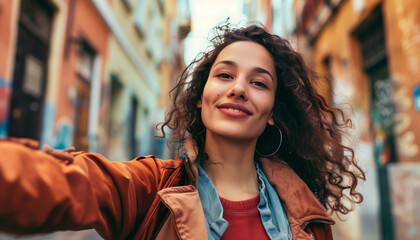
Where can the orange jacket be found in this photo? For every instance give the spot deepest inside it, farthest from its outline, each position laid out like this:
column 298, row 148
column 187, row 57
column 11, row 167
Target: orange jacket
column 146, row 198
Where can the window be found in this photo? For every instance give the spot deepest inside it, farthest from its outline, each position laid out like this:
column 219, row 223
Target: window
column 140, row 18
column 154, row 44
column 116, row 91
column 132, row 128
column 128, row 5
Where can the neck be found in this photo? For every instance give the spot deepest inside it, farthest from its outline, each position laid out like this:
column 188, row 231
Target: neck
column 231, row 167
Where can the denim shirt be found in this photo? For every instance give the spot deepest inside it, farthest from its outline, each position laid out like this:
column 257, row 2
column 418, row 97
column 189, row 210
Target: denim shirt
column 273, row 216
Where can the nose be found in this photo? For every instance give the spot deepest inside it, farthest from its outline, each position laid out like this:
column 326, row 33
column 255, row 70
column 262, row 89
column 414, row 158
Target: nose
column 238, row 89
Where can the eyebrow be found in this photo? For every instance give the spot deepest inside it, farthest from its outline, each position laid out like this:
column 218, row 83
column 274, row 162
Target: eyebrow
column 256, row 69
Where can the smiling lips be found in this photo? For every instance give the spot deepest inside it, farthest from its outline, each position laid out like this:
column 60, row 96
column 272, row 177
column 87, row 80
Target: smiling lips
column 234, row 110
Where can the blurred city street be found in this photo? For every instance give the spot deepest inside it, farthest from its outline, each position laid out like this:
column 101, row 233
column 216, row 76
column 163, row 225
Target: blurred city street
column 96, row 74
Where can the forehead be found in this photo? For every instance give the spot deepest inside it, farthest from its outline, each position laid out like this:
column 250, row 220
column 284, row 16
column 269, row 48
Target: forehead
column 247, row 53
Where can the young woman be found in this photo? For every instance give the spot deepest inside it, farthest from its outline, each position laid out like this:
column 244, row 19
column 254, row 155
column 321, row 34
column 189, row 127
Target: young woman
column 261, row 159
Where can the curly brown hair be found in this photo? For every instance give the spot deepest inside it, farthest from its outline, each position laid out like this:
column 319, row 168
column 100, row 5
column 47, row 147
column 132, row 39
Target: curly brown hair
column 312, row 131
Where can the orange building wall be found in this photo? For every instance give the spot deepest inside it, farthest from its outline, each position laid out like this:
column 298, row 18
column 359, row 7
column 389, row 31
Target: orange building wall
column 403, row 35
column 337, row 42
column 8, row 20
column 7, row 37
column 89, row 24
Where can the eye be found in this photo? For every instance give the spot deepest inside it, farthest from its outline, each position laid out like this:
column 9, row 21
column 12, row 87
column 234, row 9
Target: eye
column 224, row 75
column 259, row 84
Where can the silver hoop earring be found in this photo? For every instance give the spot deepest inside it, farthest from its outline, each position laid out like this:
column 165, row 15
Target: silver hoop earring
column 278, row 147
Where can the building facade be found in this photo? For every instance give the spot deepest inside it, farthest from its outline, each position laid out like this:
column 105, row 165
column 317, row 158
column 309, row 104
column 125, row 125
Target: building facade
column 91, row 74
column 54, row 62
column 140, row 73
column 368, row 52
column 132, row 80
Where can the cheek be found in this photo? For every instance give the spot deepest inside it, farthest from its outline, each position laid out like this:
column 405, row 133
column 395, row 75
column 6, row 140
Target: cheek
column 210, row 94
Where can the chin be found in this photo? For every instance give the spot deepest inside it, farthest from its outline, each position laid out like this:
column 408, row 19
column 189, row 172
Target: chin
column 235, row 134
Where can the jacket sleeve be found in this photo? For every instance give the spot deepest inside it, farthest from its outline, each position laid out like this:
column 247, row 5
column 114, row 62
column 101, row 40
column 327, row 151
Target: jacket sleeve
column 43, row 192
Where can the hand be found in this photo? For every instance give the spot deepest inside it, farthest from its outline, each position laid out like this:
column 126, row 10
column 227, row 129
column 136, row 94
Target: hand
column 60, row 154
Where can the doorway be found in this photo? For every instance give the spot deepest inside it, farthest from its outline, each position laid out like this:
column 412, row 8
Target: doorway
column 30, row 72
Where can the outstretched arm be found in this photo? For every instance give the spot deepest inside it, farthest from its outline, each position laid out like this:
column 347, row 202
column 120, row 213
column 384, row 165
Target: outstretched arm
column 54, row 190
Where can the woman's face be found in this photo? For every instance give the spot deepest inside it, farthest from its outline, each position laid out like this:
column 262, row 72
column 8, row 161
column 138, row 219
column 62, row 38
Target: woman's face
column 238, row 97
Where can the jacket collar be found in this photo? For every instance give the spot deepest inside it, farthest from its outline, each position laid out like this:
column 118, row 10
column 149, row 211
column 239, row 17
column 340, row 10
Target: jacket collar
column 187, row 214
column 299, row 202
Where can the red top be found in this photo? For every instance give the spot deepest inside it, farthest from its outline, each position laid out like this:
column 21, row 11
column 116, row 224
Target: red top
column 244, row 220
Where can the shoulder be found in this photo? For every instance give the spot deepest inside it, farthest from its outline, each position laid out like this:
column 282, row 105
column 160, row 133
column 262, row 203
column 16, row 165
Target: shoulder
column 152, row 162
column 148, row 162
column 151, row 159
column 146, row 173
column 159, row 169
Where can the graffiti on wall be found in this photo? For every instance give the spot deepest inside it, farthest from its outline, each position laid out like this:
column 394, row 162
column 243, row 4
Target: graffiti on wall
column 63, row 137
column 383, row 102
column 402, row 120
column 408, row 23
column 5, row 91
column 416, row 94
column 382, row 120
column 391, row 105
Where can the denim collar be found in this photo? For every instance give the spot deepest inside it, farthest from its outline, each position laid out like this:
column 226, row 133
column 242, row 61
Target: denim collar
column 213, row 210
column 272, row 213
